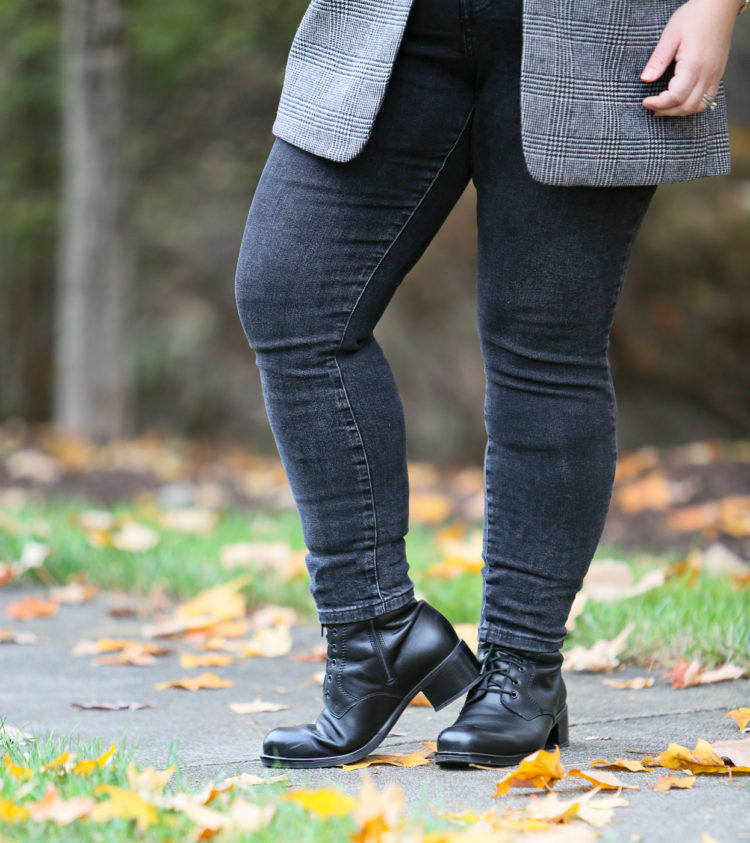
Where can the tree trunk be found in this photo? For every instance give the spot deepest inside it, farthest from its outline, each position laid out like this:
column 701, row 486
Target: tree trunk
column 92, row 384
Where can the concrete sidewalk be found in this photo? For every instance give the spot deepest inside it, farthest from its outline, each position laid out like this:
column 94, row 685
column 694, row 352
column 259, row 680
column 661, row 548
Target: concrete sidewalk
column 39, row 682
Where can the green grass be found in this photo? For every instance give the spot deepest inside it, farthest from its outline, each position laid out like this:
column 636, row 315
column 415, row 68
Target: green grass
column 708, row 620
column 290, row 821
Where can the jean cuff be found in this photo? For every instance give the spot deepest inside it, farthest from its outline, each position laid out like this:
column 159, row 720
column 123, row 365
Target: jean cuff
column 517, row 642
column 367, row 610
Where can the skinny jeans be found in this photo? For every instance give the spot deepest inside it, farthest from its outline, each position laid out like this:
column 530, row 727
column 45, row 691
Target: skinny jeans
column 325, row 247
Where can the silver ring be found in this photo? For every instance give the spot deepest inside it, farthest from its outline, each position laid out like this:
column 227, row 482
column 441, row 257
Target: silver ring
column 709, row 100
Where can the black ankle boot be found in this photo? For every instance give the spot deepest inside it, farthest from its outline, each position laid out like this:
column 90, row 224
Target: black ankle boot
column 373, row 669
column 518, row 706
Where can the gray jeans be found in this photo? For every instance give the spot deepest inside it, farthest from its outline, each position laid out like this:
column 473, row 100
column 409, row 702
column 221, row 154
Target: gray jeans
column 325, row 247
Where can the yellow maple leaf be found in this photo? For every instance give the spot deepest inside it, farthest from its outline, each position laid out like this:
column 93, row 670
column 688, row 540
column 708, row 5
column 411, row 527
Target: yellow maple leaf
column 666, row 783
column 11, row 813
column 702, row 759
column 539, row 769
column 414, row 759
column 56, row 762
column 189, row 660
column 86, row 766
column 123, row 804
column 18, row 771
column 602, row 779
column 149, row 780
column 741, row 716
column 194, row 683
column 324, row 801
column 377, row 812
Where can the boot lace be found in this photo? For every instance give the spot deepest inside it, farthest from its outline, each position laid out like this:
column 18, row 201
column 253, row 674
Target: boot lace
column 330, row 657
column 498, row 664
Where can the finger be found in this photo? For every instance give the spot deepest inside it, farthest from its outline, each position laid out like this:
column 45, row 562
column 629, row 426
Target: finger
column 662, row 56
column 680, row 87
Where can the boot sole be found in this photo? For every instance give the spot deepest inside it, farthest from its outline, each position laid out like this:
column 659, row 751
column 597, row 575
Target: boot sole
column 558, row 736
column 459, row 669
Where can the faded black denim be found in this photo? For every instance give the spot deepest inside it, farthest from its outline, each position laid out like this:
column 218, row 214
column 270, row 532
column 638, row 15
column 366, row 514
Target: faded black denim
column 325, row 247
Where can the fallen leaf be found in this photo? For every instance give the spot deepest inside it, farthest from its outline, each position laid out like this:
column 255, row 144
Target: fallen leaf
column 150, row 780
column 18, row 771
column 268, row 642
column 636, row 683
column 420, row 699
column 317, row 654
column 666, row 783
column 377, row 813
column 551, row 808
column 601, row 656
column 136, row 538
column 60, row 811
column 741, row 716
column 115, row 706
column 579, row 602
column 620, row 764
column 11, row 813
column 702, row 759
column 258, row 706
column 189, row 520
column 189, row 660
column 139, row 653
column 251, row 780
column 87, row 765
column 414, row 759
column 60, row 761
column 123, row 804
column 273, row 616
column 453, row 566
column 539, row 769
column 325, row 801
column 611, row 579
column 602, row 779
column 73, row 593
column 31, row 607
column 7, row 636
column 194, row 683
column 734, row 753
column 653, row 491
column 686, row 674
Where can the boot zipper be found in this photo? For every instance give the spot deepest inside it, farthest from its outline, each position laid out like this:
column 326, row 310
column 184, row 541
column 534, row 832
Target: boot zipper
column 378, row 645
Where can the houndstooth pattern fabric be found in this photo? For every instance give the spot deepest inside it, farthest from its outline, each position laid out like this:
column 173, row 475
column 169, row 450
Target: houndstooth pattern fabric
column 582, row 121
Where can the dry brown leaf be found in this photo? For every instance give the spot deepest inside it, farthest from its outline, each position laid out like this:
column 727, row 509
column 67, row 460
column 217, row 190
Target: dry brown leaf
column 257, row 706
column 268, row 642
column 579, row 602
column 115, row 706
column 220, row 630
column 221, row 602
column 377, row 813
column 30, row 608
column 74, row 593
column 735, row 753
column 415, row 759
column 273, row 616
column 686, row 674
column 634, row 684
column 602, row 779
column 7, row 636
column 702, row 759
column 195, row 683
column 317, row 654
column 57, row 810
column 741, row 716
column 601, row 656
column 620, row 764
column 666, row 783
column 634, row 463
column 611, row 579
column 540, row 769
column 652, row 491
column 139, row 653
column 551, row 808
column 189, row 660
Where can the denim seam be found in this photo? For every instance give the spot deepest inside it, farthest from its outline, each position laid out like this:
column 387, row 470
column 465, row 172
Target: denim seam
column 364, row 610
column 377, row 266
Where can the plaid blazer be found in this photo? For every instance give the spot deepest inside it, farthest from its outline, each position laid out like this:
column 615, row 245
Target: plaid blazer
column 582, row 121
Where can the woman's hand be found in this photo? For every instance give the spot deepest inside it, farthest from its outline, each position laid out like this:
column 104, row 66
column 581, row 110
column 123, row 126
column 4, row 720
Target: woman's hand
column 697, row 38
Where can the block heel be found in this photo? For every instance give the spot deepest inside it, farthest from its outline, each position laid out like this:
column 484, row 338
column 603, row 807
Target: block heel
column 452, row 677
column 558, row 735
